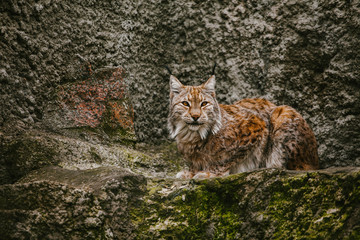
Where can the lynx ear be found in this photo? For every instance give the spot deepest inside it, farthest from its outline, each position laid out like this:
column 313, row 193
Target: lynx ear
column 175, row 84
column 210, row 84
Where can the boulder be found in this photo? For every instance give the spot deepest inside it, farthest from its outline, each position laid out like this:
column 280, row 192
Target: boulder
column 55, row 203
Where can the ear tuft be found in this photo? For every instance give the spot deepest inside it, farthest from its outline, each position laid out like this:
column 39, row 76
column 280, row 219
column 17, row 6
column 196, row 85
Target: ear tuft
column 175, row 84
column 210, row 84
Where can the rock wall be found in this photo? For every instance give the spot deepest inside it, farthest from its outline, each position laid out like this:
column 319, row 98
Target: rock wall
column 304, row 54
column 45, row 45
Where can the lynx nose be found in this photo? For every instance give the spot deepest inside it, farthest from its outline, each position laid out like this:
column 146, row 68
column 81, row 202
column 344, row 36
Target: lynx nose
column 195, row 117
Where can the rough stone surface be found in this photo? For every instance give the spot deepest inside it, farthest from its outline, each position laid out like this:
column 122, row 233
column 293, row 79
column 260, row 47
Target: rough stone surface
column 20, row 155
column 83, row 150
column 54, row 203
column 111, row 203
column 44, row 45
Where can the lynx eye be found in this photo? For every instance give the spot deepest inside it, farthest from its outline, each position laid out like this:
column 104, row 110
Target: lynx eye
column 185, row 103
column 203, row 104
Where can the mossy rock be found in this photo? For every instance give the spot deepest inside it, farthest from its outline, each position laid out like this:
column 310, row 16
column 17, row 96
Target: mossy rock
column 265, row 204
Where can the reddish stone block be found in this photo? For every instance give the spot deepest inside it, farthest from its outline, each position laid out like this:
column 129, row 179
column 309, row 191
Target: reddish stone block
column 101, row 98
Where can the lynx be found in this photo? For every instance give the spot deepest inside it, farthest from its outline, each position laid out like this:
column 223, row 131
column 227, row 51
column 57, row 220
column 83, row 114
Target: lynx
column 218, row 140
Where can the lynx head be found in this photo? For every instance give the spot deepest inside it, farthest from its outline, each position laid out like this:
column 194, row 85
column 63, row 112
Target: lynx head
column 194, row 111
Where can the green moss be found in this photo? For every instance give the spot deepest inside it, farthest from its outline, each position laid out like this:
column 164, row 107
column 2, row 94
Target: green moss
column 137, row 159
column 162, row 158
column 312, row 206
column 195, row 211
column 268, row 204
column 120, row 135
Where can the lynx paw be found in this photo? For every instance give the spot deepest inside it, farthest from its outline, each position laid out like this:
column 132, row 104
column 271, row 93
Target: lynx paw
column 184, row 174
column 203, row 174
column 206, row 174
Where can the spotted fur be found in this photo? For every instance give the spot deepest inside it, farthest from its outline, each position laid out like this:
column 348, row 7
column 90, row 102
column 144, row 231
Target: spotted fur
column 218, row 140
